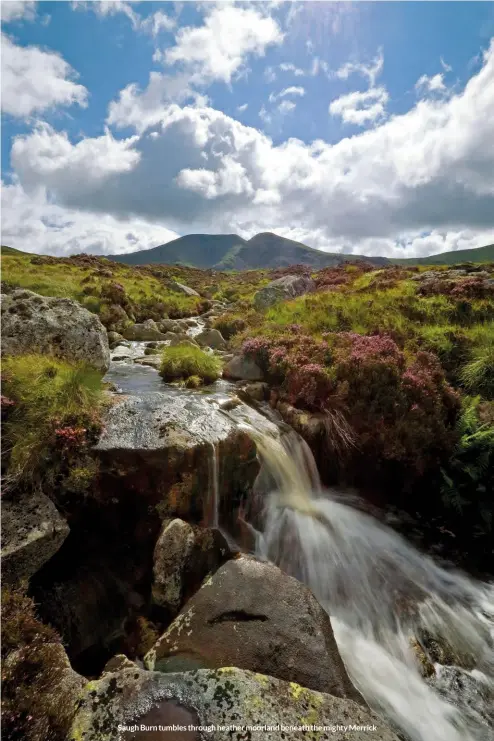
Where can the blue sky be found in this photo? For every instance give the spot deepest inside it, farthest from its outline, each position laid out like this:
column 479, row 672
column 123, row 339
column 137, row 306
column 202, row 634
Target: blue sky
column 357, row 127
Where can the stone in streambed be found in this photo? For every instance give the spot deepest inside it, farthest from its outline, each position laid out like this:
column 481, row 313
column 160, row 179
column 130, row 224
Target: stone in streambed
column 241, row 368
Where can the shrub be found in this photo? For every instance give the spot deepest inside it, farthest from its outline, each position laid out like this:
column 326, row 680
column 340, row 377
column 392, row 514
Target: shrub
column 229, row 324
column 183, row 361
column 477, row 375
column 54, row 418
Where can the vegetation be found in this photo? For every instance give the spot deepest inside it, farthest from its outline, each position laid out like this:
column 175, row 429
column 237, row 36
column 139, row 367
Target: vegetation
column 190, row 364
column 51, row 416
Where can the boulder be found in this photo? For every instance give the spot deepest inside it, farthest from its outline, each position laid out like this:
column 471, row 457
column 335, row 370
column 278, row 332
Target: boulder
column 257, row 391
column 180, row 339
column 211, row 338
column 148, row 330
column 184, row 554
column 55, row 326
column 169, row 325
column 287, row 287
column 32, row 532
column 240, row 368
column 153, row 361
column 114, row 339
column 121, row 352
column 180, row 288
column 233, row 620
column 225, row 698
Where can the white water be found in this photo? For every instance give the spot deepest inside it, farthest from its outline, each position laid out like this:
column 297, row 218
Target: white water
column 380, row 592
column 213, row 487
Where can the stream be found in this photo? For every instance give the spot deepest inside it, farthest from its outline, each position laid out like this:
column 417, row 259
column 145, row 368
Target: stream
column 385, row 598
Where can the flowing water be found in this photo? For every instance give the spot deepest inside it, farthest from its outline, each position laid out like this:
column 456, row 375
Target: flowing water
column 382, row 595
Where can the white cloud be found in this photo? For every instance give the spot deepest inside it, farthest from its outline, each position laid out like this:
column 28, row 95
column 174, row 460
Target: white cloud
column 434, row 84
column 265, row 117
column 286, row 106
column 105, row 8
column 294, row 90
column 446, row 67
column 34, row 80
column 289, row 67
column 428, row 171
column 33, row 224
column 361, row 108
column 16, row 10
column 242, row 108
column 269, row 74
column 157, row 22
column 370, row 71
column 217, row 49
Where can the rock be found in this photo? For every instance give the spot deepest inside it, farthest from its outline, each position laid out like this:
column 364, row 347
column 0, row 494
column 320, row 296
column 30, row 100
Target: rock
column 118, row 662
column 121, row 353
column 242, row 368
column 287, row 287
column 148, row 330
column 169, row 325
column 32, row 532
column 184, row 554
column 56, row 326
column 257, row 391
column 41, row 689
column 190, row 322
column 153, row 361
column 180, row 288
column 222, row 698
column 211, row 338
column 114, row 339
column 233, row 620
column 180, row 339
column 159, row 449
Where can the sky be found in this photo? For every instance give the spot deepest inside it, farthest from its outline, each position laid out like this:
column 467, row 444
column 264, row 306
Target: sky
column 356, row 127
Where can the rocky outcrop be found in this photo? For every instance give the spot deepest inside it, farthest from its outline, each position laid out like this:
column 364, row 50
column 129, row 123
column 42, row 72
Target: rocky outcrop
column 211, row 338
column 233, row 620
column 184, row 554
column 224, row 698
column 289, row 286
column 241, row 368
column 180, row 288
column 32, row 532
column 54, row 326
column 148, row 330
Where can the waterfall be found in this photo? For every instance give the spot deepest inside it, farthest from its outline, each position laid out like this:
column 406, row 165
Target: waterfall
column 213, row 498
column 384, row 597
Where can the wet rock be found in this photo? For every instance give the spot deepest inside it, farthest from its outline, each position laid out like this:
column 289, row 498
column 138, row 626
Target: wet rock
column 32, row 532
column 118, row 662
column 257, row 391
column 148, row 330
column 184, row 554
column 221, row 698
column 233, row 620
column 114, row 339
column 471, row 694
column 211, row 338
column 180, row 339
column 153, row 361
column 160, row 449
column 241, row 368
column 282, row 289
column 180, row 288
column 54, row 326
column 121, row 353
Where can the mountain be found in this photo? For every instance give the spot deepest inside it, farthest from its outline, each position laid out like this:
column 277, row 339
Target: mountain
column 230, row 252
column 478, row 254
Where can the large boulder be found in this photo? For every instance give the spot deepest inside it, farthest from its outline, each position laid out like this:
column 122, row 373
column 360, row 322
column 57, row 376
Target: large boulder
column 180, row 288
column 289, row 286
column 211, row 338
column 240, row 368
column 184, row 554
column 230, row 701
column 55, row 326
column 236, row 620
column 32, row 532
column 148, row 330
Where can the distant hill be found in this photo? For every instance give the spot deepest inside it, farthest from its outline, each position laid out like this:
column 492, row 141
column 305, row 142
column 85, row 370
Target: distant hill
column 230, row 252
column 479, row 254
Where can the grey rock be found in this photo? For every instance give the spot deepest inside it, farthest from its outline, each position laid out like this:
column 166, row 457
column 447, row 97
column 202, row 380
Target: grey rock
column 180, row 288
column 180, row 339
column 55, row 326
column 184, row 554
column 241, row 368
column 211, row 338
column 257, row 391
column 169, row 325
column 233, row 620
column 222, row 698
column 32, row 532
column 121, row 352
column 148, row 330
column 114, row 339
column 287, row 287
column 153, row 361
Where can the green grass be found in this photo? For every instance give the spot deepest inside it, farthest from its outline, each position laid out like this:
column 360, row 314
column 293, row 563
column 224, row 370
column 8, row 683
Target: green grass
column 185, row 361
column 49, row 394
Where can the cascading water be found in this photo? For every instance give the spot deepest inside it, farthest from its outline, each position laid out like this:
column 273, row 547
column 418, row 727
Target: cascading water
column 213, row 516
column 382, row 595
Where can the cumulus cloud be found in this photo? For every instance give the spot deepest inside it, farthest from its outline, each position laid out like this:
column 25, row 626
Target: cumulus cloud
column 361, row 108
column 434, row 84
column 370, row 71
column 429, row 171
column 105, row 8
column 34, row 80
column 16, row 10
column 32, row 223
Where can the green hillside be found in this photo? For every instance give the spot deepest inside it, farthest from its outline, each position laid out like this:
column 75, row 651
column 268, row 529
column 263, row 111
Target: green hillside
column 480, row 254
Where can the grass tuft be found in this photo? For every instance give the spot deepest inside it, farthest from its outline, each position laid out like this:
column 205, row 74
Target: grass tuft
column 185, row 361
